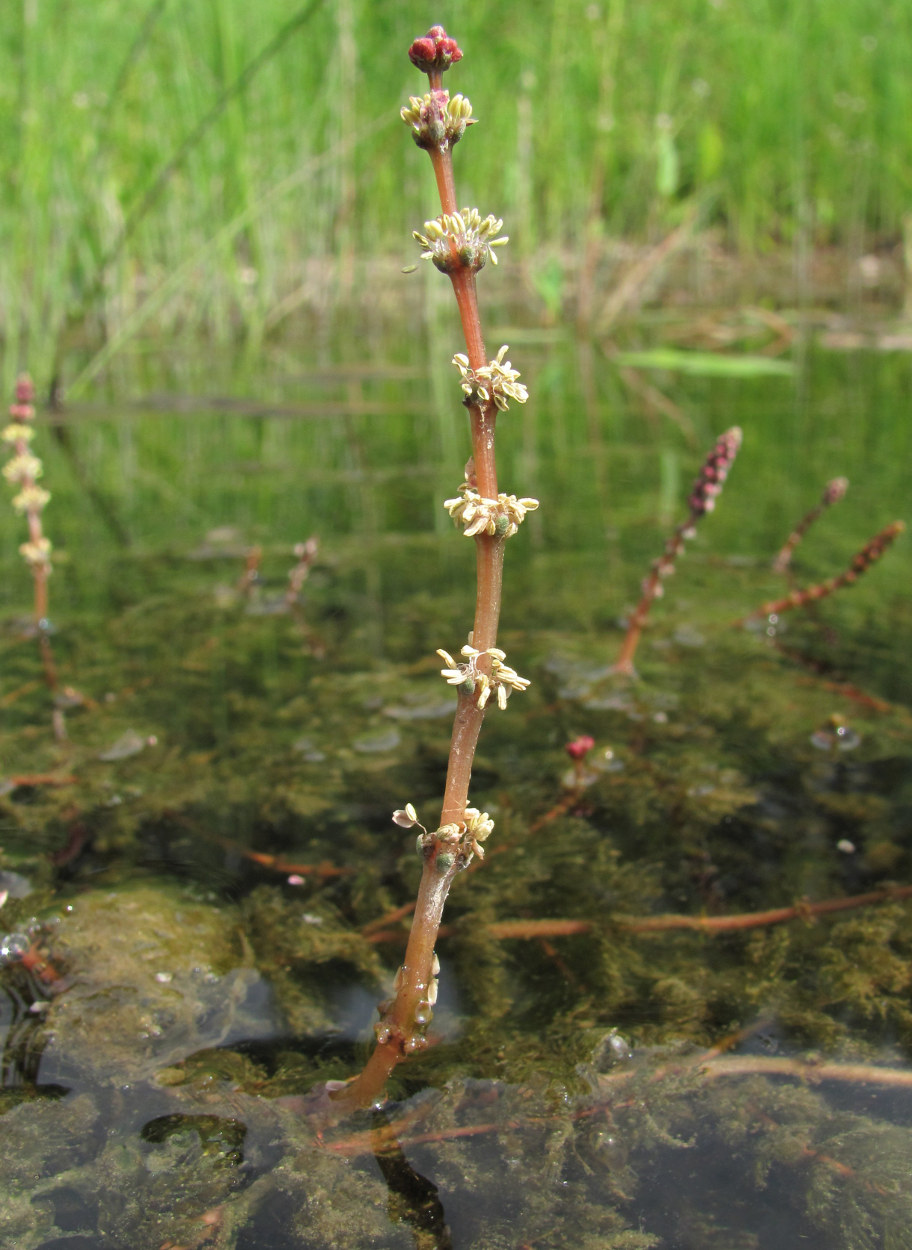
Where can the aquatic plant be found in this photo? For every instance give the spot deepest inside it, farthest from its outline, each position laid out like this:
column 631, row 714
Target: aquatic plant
column 305, row 554
column 459, row 242
column 703, row 495
column 833, row 492
column 23, row 470
column 869, row 554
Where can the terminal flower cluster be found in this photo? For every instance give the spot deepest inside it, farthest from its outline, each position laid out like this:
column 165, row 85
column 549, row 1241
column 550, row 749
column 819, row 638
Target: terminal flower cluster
column 495, row 381
column 711, row 478
column 834, row 491
column 434, row 51
column 461, row 240
column 501, row 516
column 435, row 119
column 500, row 681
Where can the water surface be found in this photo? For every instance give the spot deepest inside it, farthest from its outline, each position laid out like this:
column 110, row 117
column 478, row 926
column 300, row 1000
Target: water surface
column 210, row 885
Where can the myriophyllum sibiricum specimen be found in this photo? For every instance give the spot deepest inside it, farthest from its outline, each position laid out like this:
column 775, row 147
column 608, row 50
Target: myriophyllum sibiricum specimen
column 22, row 471
column 870, row 553
column 459, row 242
column 834, row 491
column 705, row 491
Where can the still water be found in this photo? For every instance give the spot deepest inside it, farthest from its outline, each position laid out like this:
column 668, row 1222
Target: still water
column 209, row 893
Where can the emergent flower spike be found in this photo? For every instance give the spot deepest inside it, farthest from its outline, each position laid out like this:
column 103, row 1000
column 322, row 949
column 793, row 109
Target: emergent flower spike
column 435, row 52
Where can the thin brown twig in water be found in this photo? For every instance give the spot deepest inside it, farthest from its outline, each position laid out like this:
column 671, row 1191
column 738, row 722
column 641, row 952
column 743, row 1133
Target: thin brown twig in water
column 870, row 553
column 505, row 930
column 275, row 863
column 459, row 242
column 706, row 489
column 398, row 913
column 846, row 1073
column 758, row 919
column 711, row 1064
column 42, row 779
column 848, row 690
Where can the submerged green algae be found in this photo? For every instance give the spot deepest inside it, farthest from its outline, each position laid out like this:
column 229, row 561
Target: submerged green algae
column 209, row 850
column 204, row 896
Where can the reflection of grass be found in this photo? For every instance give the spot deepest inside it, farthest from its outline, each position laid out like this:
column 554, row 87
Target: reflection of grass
column 137, row 134
column 706, row 364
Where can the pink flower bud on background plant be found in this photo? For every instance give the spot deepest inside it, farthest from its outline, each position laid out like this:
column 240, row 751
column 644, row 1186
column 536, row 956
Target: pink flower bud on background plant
column 580, row 747
column 713, row 474
column 702, row 500
column 835, row 490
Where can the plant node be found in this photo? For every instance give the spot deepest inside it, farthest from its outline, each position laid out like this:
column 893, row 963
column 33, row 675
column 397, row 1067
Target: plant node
column 463, row 240
column 500, row 517
column 495, row 381
column 437, row 120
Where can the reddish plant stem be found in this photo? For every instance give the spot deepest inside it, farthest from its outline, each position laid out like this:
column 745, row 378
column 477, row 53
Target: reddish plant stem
column 489, row 555
column 400, row 1037
column 42, row 779
column 505, row 930
column 467, row 299
column 651, row 587
column 442, row 162
column 706, row 924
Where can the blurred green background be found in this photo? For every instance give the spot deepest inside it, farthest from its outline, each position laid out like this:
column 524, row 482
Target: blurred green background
column 217, row 166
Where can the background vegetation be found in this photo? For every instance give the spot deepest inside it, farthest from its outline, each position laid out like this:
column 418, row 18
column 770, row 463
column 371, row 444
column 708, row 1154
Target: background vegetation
column 201, row 161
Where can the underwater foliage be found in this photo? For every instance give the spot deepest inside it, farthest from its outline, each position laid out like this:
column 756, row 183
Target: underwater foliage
column 196, row 1014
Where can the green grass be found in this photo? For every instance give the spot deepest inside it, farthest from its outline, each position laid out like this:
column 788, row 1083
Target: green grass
column 196, row 163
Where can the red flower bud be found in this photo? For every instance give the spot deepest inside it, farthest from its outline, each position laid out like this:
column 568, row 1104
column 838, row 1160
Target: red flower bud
column 580, row 747
column 25, row 390
column 435, row 51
